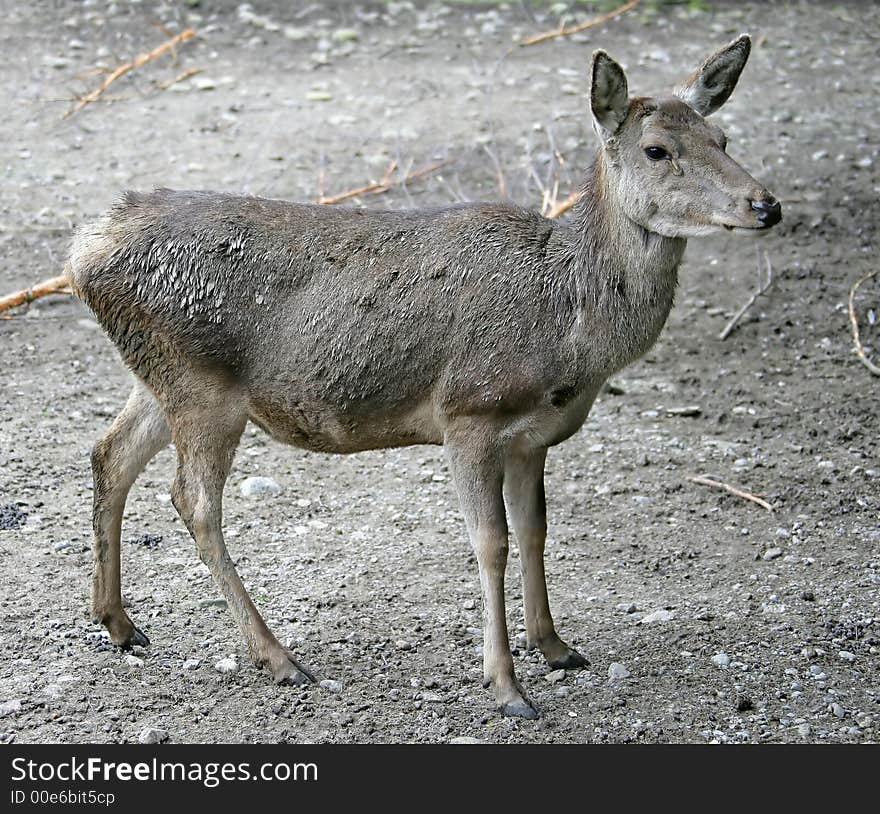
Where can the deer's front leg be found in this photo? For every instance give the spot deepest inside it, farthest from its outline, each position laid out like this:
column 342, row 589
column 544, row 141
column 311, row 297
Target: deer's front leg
column 478, row 474
column 526, row 506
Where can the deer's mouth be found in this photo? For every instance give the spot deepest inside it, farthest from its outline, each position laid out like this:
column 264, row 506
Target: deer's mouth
column 752, row 230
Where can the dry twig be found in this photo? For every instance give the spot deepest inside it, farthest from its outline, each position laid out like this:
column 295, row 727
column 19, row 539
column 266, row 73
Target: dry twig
column 717, row 484
column 180, row 77
column 855, row 325
column 502, row 185
column 561, row 207
column 372, row 188
column 762, row 289
column 121, row 70
column 564, row 31
column 378, row 187
column 56, row 285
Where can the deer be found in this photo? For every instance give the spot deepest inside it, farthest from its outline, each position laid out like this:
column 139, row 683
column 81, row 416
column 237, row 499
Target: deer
column 482, row 327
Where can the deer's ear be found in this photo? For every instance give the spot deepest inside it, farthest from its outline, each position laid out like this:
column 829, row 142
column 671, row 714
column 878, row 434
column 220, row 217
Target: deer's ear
column 609, row 94
column 710, row 86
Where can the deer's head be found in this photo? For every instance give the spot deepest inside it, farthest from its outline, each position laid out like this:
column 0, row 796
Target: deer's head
column 666, row 164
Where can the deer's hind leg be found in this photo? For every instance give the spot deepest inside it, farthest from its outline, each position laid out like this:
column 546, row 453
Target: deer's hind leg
column 138, row 433
column 206, row 432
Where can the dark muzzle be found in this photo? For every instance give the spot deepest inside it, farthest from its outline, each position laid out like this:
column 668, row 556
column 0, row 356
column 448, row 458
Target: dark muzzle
column 769, row 211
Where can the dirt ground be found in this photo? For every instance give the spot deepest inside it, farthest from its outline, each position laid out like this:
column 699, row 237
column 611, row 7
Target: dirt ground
column 769, row 623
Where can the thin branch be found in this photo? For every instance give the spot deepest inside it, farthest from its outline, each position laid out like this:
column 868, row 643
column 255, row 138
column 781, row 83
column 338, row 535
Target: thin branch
column 717, row 484
column 121, row 70
column 322, row 176
column 378, row 187
column 552, row 168
column 561, row 207
column 180, row 77
column 502, row 185
column 564, row 31
column 55, row 285
column 372, row 187
column 761, row 290
column 404, row 173
column 855, row 324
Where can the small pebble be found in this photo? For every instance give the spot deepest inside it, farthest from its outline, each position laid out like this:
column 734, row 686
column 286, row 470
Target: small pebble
column 345, row 35
column 721, row 660
column 150, row 735
column 555, row 677
column 12, row 707
column 227, row 665
column 296, row 34
column 617, row 671
column 259, row 487
column 772, row 554
column 332, row 686
column 658, row 616
column 203, row 83
column 688, row 411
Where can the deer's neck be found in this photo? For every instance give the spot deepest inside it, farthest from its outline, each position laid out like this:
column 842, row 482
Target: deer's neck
column 622, row 278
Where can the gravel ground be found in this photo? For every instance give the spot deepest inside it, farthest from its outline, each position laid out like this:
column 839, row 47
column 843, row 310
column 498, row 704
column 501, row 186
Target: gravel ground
column 705, row 617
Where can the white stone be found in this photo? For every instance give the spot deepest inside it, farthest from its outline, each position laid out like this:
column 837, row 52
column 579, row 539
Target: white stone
column 658, row 616
column 259, row 487
column 227, row 665
column 617, row 670
column 151, row 735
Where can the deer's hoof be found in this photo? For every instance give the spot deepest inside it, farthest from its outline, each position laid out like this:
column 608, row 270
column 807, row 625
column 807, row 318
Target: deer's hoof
column 519, row 709
column 570, row 661
column 290, row 673
column 137, row 637
column 123, row 633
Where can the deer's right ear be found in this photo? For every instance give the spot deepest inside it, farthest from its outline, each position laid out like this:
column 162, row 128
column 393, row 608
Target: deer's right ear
column 710, row 86
column 609, row 94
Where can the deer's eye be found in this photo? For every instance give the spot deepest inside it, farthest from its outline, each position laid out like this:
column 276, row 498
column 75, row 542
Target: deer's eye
column 656, row 153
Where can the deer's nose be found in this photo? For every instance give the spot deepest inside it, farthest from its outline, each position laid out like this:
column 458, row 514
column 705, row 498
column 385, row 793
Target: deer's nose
column 768, row 209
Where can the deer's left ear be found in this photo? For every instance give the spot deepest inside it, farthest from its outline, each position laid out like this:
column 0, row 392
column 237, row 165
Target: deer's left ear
column 710, row 86
column 609, row 94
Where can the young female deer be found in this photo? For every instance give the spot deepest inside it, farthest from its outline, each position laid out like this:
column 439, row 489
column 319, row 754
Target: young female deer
column 482, row 327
